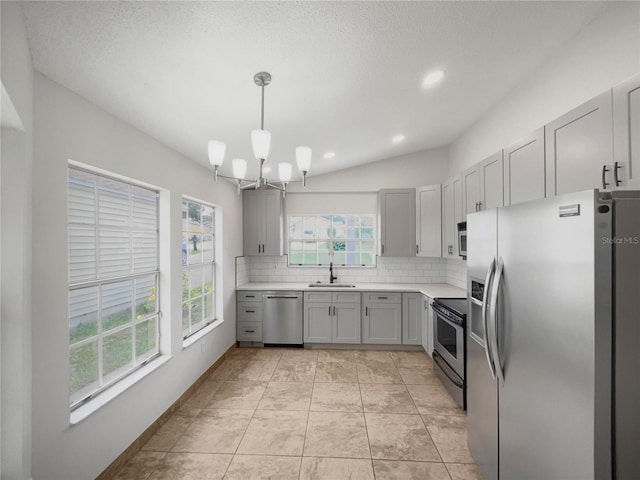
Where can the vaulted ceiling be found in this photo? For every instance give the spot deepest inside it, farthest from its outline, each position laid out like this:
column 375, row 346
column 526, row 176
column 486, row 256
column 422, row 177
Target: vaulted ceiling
column 346, row 75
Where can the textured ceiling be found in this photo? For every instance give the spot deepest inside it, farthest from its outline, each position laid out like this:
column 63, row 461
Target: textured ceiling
column 346, row 75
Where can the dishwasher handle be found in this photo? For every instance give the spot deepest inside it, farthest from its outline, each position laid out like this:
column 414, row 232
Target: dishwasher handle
column 282, row 296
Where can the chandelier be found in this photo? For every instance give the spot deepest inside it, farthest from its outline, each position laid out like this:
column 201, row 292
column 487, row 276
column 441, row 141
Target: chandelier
column 261, row 143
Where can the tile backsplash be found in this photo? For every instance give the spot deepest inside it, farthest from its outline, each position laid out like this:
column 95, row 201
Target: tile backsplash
column 395, row 270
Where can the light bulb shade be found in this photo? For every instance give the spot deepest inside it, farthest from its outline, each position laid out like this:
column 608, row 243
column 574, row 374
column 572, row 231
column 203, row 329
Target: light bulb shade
column 303, row 158
column 216, row 152
column 261, row 142
column 239, row 168
column 284, row 172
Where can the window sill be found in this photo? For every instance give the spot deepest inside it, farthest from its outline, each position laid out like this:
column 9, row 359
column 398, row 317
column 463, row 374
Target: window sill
column 95, row 404
column 201, row 333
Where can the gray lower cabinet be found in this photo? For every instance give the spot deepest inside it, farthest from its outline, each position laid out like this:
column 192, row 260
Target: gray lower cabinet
column 382, row 318
column 249, row 317
column 331, row 317
column 412, row 318
column 427, row 325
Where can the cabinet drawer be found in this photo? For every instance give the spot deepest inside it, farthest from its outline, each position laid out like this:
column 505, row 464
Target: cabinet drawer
column 249, row 332
column 249, row 296
column 345, row 297
column 382, row 297
column 317, row 296
column 249, row 312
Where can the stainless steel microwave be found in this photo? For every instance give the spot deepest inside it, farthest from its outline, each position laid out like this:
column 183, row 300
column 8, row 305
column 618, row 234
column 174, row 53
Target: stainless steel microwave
column 462, row 239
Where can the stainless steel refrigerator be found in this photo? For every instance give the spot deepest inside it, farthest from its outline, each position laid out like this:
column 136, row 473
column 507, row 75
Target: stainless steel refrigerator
column 553, row 347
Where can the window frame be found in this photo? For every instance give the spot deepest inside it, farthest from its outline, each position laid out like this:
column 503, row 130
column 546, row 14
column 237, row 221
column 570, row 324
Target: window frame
column 330, row 239
column 101, row 281
column 206, row 321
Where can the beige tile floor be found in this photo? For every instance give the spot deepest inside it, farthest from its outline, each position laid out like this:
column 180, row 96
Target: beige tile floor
column 313, row 414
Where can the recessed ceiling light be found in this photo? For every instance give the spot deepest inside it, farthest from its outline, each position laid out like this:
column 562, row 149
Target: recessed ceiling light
column 329, row 155
column 433, row 78
column 398, row 139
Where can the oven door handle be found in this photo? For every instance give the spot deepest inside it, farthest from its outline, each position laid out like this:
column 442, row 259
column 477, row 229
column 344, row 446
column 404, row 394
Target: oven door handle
column 446, row 369
column 495, row 287
column 485, row 298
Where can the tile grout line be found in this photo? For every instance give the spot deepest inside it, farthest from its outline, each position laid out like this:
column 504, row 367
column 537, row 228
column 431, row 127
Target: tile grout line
column 366, row 428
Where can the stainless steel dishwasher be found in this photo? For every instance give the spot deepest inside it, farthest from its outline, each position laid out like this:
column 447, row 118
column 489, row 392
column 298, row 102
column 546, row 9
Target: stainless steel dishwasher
column 282, row 318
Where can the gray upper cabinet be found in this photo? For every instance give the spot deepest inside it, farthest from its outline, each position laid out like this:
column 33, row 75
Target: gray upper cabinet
column 262, row 222
column 397, row 212
column 626, row 134
column 470, row 190
column 451, row 215
column 491, row 182
column 429, row 221
column 579, row 148
column 524, row 178
column 482, row 185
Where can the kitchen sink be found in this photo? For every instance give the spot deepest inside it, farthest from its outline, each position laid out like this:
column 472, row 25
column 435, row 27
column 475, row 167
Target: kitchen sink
column 332, row 285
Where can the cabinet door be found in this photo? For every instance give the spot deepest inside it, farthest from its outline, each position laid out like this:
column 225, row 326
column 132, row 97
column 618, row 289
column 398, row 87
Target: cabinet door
column 451, row 215
column 252, row 242
column 271, row 222
column 429, row 221
column 470, row 191
column 346, row 323
column 397, row 222
column 317, row 322
column 579, row 147
column 524, row 169
column 411, row 319
column 427, row 325
column 626, row 133
column 382, row 323
column 491, row 182
column 262, row 222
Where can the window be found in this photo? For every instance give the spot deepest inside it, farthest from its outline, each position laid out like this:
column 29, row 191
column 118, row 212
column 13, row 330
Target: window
column 198, row 260
column 113, row 280
column 344, row 239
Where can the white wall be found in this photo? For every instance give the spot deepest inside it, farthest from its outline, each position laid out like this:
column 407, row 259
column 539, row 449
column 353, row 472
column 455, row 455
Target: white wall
column 605, row 53
column 69, row 127
column 15, row 250
column 418, row 169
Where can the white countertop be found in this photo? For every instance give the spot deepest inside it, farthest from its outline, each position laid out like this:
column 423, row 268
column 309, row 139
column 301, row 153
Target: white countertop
column 433, row 290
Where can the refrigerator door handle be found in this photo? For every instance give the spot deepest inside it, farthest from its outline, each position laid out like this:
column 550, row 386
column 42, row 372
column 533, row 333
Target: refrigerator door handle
column 485, row 298
column 493, row 305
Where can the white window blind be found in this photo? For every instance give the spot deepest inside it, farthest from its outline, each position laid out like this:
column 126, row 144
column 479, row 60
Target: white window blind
column 113, row 280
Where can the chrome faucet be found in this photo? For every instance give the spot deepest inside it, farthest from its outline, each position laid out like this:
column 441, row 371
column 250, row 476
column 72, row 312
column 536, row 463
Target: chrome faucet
column 331, row 277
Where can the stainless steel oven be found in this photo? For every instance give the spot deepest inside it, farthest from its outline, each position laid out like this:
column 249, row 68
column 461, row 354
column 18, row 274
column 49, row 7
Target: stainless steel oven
column 449, row 341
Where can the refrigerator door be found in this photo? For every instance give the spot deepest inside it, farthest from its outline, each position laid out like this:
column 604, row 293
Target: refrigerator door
column 546, row 343
column 482, row 395
column 627, row 332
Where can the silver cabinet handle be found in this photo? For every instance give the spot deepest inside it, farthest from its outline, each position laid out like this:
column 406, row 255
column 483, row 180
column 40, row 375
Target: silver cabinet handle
column 334, row 311
column 616, row 167
column 485, row 298
column 494, row 315
column 366, row 311
column 250, row 311
column 383, row 248
column 249, row 331
column 604, row 174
